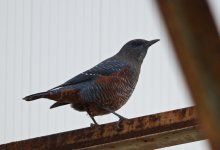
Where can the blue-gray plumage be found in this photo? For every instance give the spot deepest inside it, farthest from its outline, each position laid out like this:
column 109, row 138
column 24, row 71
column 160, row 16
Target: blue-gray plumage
column 104, row 88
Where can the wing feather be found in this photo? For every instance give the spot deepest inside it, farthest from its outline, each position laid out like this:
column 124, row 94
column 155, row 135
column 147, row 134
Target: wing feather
column 105, row 68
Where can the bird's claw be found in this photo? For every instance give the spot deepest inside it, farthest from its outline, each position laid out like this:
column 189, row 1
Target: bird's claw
column 118, row 123
column 93, row 125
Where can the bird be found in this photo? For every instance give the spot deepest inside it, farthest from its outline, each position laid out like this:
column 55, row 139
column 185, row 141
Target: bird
column 106, row 87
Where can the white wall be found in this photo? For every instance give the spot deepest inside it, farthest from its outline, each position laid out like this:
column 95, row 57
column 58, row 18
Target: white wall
column 46, row 42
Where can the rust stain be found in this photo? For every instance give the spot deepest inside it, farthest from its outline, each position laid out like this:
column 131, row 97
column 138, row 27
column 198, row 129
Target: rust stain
column 182, row 114
column 154, row 118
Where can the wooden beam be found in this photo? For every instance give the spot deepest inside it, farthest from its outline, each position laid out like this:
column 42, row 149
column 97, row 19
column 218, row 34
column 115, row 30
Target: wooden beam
column 197, row 45
column 144, row 133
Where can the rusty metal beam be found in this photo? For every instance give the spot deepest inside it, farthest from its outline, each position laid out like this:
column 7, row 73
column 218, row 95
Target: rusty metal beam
column 197, row 45
column 144, row 133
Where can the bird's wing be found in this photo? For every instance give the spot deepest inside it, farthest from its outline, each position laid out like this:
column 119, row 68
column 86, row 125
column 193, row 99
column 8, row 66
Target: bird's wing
column 105, row 68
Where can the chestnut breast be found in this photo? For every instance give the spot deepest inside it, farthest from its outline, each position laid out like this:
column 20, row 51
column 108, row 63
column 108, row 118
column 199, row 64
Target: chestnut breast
column 111, row 92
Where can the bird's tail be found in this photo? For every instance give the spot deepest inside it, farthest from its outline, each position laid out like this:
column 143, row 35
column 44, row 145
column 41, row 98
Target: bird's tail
column 36, row 96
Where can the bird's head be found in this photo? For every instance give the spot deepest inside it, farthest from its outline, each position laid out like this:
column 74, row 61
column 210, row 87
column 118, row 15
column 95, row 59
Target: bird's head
column 136, row 49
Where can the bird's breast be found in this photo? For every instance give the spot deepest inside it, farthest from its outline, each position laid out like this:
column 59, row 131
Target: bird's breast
column 111, row 91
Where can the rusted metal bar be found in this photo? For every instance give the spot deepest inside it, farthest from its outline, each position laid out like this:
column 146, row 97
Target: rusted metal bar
column 148, row 132
column 197, row 45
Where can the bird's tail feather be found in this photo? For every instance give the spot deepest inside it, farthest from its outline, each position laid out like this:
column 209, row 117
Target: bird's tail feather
column 36, row 96
column 57, row 104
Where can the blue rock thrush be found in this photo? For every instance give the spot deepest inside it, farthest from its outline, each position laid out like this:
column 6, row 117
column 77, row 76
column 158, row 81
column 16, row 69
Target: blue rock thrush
column 104, row 88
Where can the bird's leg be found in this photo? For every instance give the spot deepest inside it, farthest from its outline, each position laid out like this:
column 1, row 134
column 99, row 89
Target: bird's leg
column 93, row 124
column 93, row 119
column 121, row 118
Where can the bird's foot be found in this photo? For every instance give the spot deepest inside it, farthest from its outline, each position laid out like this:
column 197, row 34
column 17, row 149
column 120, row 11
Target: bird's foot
column 119, row 122
column 94, row 125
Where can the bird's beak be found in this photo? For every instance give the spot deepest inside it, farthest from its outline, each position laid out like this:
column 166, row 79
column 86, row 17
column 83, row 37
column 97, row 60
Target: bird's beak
column 149, row 43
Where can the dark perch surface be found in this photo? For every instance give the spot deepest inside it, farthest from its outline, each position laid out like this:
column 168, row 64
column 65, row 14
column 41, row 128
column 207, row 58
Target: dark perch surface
column 147, row 132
